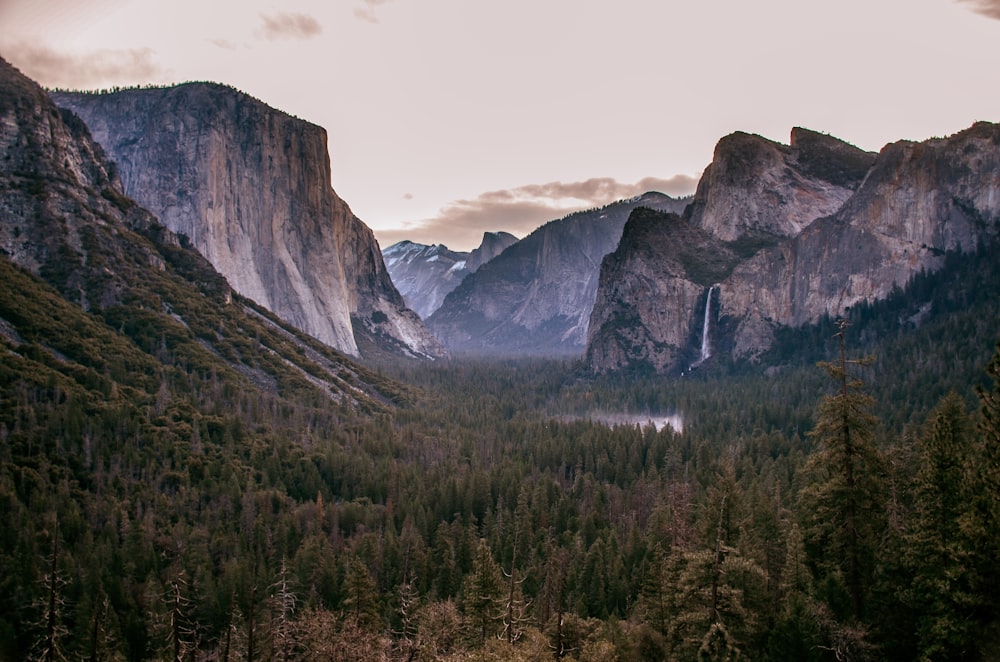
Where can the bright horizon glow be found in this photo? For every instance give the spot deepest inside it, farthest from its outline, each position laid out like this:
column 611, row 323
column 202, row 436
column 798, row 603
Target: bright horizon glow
column 448, row 118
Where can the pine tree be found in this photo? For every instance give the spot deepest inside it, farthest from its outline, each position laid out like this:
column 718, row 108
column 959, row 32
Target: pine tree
column 983, row 524
column 713, row 618
column 361, row 594
column 654, row 600
column 49, row 646
column 481, row 592
column 843, row 505
column 937, row 555
column 283, row 602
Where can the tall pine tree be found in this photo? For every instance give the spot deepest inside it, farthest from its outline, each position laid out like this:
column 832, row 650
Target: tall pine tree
column 842, row 505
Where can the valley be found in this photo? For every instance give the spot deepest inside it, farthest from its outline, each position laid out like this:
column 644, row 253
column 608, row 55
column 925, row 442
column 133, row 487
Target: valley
column 223, row 436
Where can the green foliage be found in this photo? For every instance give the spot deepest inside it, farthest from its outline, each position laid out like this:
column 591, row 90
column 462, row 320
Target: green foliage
column 180, row 432
column 843, row 502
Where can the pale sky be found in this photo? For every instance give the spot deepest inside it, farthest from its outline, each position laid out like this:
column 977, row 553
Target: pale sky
column 447, row 118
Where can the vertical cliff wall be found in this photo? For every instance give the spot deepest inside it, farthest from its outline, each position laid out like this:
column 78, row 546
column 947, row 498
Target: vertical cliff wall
column 789, row 234
column 250, row 186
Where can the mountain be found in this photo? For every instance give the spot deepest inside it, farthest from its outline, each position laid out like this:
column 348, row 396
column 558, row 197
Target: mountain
column 493, row 244
column 793, row 251
column 536, row 297
column 110, row 307
column 250, row 187
column 757, row 188
column 424, row 274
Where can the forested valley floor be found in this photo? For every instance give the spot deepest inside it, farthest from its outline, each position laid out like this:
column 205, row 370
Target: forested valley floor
column 846, row 511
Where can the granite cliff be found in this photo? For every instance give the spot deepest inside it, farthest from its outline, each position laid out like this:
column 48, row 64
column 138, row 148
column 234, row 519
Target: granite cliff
column 250, row 187
column 103, row 298
column 425, row 274
column 788, row 252
column 759, row 189
column 536, row 297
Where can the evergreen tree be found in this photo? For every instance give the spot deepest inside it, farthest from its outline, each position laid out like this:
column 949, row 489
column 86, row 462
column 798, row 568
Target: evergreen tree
column 714, row 617
column 482, row 591
column 361, row 601
column 983, row 524
column 654, row 600
column 842, row 506
column 937, row 554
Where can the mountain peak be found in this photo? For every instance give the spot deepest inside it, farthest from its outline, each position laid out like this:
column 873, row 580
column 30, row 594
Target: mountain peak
column 756, row 187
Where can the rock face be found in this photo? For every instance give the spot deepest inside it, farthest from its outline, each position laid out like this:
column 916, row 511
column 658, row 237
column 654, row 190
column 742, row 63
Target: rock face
column 914, row 202
column 424, row 274
column 56, row 190
column 536, row 297
column 756, row 188
column 64, row 218
column 250, row 187
column 493, row 244
column 653, row 291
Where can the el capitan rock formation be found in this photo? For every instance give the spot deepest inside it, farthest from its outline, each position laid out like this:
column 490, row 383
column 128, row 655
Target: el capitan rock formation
column 250, row 186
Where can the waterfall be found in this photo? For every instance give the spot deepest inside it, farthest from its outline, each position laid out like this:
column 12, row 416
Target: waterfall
column 706, row 345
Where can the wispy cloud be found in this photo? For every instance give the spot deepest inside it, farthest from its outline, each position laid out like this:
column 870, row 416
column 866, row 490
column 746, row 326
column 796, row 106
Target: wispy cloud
column 520, row 210
column 287, row 25
column 224, row 44
column 988, row 8
column 104, row 67
column 367, row 13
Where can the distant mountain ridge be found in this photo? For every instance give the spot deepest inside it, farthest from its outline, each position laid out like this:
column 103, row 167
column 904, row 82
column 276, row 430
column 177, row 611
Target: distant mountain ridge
column 536, row 297
column 785, row 235
column 250, row 186
column 425, row 274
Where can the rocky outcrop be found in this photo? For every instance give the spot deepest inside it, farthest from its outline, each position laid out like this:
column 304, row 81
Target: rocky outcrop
column 147, row 309
column 912, row 204
column 424, row 274
column 760, row 189
column 653, row 292
column 57, row 192
column 250, row 187
column 918, row 201
column 493, row 244
column 537, row 296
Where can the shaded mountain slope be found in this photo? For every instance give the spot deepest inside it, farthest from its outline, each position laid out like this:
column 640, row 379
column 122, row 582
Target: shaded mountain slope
column 424, row 274
column 536, row 297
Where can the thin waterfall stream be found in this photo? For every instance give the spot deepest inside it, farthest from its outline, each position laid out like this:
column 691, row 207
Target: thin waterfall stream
column 706, row 330
column 706, row 342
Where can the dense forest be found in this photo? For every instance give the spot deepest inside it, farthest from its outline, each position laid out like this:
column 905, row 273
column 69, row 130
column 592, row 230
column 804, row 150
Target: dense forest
column 154, row 506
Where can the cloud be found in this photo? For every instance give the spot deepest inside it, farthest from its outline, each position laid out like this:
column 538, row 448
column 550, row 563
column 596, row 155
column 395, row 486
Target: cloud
column 461, row 224
column 286, row 25
column 103, row 67
column 367, row 13
column 224, row 44
column 988, row 8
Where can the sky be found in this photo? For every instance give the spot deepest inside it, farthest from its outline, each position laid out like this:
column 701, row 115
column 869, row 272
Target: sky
column 449, row 118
